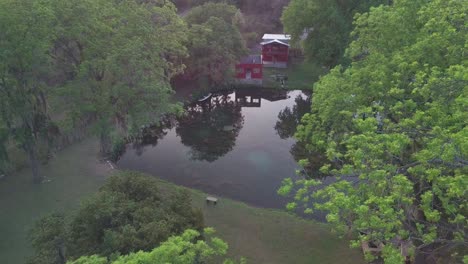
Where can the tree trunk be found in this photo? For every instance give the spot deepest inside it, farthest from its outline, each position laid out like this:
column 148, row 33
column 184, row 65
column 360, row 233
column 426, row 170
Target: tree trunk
column 105, row 143
column 31, row 149
column 62, row 259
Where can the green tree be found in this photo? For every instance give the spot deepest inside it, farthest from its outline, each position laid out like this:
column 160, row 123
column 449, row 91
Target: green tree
column 255, row 17
column 111, row 60
column 24, row 64
column 122, row 56
column 327, row 25
column 48, row 239
column 215, row 43
column 128, row 214
column 393, row 127
column 183, row 249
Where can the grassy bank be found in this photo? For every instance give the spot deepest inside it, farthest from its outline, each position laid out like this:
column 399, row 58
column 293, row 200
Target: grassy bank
column 271, row 236
column 74, row 173
column 301, row 75
column 260, row 235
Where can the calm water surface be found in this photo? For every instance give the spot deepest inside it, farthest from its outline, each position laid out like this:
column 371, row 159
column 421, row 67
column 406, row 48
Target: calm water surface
column 235, row 144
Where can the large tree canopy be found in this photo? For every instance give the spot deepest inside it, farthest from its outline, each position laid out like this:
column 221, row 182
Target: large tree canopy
column 125, row 54
column 255, row 17
column 324, row 26
column 105, row 63
column 24, row 64
column 394, row 128
column 215, row 43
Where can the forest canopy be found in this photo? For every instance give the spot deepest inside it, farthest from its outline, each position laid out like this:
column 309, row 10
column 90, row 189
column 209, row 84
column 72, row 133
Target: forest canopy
column 322, row 27
column 393, row 126
column 215, row 42
column 99, row 64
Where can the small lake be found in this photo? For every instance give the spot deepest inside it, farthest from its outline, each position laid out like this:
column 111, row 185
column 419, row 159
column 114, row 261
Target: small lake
column 236, row 144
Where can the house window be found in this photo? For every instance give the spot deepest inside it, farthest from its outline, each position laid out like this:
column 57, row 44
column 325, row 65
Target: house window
column 256, row 70
column 240, row 70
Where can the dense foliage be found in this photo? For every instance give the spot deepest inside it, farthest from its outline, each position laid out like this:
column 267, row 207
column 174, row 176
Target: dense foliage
column 259, row 16
column 394, row 128
column 121, row 68
column 85, row 62
column 128, row 214
column 215, row 43
column 183, row 249
column 24, row 65
column 323, row 25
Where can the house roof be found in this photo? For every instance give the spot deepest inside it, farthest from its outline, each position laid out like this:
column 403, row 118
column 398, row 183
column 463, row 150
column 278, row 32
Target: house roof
column 251, row 59
column 274, row 41
column 277, row 36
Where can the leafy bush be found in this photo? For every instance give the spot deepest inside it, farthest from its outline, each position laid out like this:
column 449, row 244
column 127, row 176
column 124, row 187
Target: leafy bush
column 182, row 249
column 126, row 215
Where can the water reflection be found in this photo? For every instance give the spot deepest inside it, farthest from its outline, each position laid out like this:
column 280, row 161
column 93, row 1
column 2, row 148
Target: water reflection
column 288, row 120
column 290, row 117
column 210, row 128
column 152, row 135
column 225, row 145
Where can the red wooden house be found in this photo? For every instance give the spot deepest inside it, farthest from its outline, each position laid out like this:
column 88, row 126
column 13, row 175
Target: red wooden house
column 250, row 70
column 275, row 50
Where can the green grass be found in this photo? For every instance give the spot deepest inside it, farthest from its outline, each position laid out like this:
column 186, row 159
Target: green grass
column 260, row 235
column 301, row 75
column 74, row 173
column 271, row 236
column 18, row 159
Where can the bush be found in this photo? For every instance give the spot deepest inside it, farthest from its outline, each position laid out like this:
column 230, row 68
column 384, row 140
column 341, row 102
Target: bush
column 127, row 214
column 178, row 249
column 118, row 148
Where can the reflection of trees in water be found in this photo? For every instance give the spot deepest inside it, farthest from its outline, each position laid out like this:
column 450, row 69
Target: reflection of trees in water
column 290, row 117
column 152, row 135
column 288, row 120
column 210, row 128
column 314, row 160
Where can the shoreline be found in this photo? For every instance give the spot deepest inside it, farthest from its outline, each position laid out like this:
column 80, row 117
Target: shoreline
column 261, row 235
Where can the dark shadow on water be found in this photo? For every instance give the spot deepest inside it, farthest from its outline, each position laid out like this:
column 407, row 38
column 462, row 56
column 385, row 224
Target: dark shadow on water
column 286, row 126
column 290, row 117
column 149, row 137
column 210, row 128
